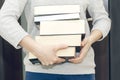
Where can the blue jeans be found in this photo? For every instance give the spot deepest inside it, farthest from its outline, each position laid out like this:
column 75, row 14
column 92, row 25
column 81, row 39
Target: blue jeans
column 45, row 76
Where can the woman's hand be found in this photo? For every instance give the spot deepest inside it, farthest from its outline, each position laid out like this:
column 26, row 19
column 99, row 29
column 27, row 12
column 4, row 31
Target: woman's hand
column 86, row 44
column 46, row 54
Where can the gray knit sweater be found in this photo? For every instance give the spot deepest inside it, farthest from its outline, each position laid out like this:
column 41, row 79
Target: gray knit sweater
column 11, row 31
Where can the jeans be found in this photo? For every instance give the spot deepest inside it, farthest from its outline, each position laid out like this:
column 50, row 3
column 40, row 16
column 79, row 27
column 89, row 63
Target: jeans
column 46, row 76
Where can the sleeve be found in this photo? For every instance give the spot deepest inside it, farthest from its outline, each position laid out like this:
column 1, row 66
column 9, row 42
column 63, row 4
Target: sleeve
column 101, row 21
column 10, row 29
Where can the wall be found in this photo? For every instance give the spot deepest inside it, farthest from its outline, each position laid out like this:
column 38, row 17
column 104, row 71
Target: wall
column 115, row 40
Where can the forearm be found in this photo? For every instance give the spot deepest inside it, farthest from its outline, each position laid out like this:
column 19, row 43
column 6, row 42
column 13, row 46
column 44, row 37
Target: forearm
column 86, row 44
column 29, row 44
column 10, row 29
column 95, row 36
column 47, row 55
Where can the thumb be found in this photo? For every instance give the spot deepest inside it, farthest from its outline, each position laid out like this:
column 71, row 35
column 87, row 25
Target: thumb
column 59, row 47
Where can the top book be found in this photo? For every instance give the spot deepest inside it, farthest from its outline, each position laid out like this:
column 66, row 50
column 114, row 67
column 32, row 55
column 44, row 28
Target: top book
column 56, row 9
column 69, row 16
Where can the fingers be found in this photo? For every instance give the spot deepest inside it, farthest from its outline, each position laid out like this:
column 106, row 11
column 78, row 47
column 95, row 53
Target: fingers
column 52, row 58
column 75, row 60
column 60, row 60
column 55, row 61
column 59, row 47
column 83, row 53
column 79, row 58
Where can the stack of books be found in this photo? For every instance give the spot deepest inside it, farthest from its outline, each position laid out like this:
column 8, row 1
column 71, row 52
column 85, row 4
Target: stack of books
column 59, row 24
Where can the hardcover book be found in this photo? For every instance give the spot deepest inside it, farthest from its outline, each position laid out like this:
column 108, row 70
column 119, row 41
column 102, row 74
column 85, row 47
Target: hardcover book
column 64, row 27
column 65, row 53
column 70, row 40
column 56, row 9
column 67, row 16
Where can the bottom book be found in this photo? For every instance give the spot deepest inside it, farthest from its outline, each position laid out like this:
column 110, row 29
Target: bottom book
column 64, row 53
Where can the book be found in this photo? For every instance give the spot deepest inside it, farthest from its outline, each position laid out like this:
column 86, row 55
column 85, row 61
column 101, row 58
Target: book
column 68, row 52
column 70, row 40
column 67, row 16
column 64, row 27
column 56, row 9
column 64, row 53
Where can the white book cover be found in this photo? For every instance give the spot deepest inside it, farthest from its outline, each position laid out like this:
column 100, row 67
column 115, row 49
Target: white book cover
column 64, row 27
column 57, row 17
column 70, row 40
column 56, row 9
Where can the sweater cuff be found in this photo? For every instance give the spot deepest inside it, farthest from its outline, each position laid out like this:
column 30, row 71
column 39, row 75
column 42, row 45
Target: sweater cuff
column 102, row 31
column 18, row 40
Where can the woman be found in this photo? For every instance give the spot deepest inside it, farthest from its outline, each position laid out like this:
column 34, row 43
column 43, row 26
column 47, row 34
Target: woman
column 81, row 67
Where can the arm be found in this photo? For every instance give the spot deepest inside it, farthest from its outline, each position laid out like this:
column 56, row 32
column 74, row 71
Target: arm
column 101, row 27
column 46, row 54
column 101, row 20
column 11, row 31
column 86, row 44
